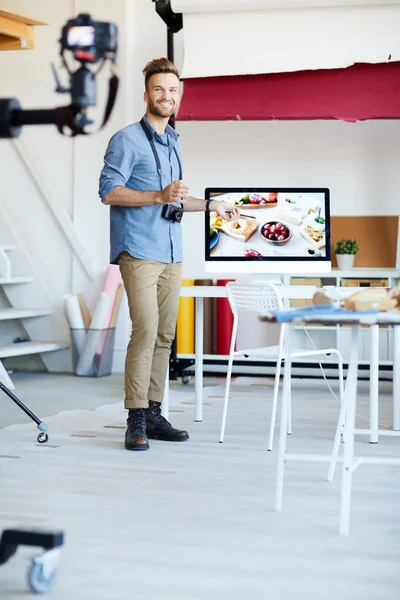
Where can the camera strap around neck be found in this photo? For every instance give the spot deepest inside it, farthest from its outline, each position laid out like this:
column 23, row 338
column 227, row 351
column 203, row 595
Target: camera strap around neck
column 156, row 157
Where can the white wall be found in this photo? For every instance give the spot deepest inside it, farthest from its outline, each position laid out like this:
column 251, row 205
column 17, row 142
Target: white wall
column 359, row 162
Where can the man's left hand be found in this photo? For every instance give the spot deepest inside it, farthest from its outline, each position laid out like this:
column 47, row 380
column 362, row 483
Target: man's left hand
column 225, row 210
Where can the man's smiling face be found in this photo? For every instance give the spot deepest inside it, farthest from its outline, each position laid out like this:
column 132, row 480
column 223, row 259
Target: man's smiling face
column 162, row 94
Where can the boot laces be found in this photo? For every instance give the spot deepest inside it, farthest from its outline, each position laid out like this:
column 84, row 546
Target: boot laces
column 137, row 420
column 157, row 417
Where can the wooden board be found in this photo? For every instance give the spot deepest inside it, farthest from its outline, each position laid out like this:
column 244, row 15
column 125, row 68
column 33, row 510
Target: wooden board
column 227, row 228
column 16, row 31
column 18, row 18
column 377, row 237
column 249, row 205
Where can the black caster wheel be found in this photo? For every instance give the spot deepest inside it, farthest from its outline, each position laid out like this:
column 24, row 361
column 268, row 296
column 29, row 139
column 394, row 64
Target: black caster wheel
column 186, row 379
column 38, row 581
column 42, row 438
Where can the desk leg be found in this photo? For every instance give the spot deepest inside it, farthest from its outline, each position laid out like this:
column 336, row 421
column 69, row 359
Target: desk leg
column 198, row 369
column 286, row 399
column 374, row 384
column 396, row 377
column 348, row 458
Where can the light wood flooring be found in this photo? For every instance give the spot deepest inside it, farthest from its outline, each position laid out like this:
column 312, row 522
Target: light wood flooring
column 195, row 520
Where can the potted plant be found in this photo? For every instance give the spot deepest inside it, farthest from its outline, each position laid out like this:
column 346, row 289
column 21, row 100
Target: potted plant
column 345, row 251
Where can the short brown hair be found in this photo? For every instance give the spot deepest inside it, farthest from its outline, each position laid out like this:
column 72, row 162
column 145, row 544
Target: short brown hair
column 158, row 65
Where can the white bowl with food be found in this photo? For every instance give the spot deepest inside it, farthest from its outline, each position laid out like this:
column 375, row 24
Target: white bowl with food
column 319, row 224
column 288, row 205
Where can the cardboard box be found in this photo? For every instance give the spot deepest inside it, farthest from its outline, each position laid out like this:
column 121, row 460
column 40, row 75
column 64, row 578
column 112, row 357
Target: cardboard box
column 300, row 302
column 364, row 283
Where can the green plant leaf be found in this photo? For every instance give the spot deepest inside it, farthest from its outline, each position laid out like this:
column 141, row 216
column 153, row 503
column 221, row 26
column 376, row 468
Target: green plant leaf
column 343, row 246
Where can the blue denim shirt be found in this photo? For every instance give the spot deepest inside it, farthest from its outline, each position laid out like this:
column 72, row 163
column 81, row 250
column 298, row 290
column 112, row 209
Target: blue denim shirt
column 129, row 162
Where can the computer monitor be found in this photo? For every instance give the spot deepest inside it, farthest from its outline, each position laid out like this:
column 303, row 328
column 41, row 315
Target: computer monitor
column 280, row 230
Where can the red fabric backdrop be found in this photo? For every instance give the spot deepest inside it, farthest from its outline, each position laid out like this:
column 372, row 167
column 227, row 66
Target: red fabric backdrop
column 359, row 92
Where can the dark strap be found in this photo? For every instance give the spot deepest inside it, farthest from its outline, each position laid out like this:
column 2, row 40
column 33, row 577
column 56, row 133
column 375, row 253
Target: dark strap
column 156, row 157
column 112, row 94
column 66, row 114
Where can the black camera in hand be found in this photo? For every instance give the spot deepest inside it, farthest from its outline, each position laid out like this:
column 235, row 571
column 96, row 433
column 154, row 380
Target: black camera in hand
column 172, row 213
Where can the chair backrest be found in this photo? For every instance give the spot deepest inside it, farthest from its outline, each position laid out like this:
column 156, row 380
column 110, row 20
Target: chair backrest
column 255, row 297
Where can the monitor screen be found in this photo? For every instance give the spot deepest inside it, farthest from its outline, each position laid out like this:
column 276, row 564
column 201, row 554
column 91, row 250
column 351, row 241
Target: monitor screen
column 280, row 230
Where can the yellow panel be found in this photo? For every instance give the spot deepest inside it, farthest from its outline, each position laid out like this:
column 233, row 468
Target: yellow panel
column 185, row 323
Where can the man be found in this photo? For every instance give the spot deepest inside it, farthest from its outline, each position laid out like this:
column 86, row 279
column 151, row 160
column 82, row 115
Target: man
column 142, row 182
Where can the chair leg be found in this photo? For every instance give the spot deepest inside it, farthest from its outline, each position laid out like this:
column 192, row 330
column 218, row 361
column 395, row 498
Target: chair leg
column 341, row 423
column 274, row 404
column 348, row 454
column 280, row 472
column 226, row 399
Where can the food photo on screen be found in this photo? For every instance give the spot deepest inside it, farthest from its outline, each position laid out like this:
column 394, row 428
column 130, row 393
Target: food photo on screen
column 282, row 224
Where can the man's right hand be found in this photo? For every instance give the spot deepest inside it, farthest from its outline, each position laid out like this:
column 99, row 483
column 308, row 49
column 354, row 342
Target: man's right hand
column 177, row 191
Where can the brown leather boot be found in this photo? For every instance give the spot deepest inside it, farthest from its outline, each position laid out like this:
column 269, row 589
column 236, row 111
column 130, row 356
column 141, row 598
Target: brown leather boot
column 158, row 428
column 135, row 436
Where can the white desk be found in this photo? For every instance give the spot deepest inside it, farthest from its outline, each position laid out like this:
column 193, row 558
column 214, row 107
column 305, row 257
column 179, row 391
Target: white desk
column 291, row 292
column 348, row 412
column 218, row 291
column 374, row 430
column 199, row 292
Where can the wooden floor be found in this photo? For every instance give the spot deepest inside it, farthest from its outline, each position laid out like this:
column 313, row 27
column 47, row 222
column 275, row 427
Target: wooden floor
column 195, row 521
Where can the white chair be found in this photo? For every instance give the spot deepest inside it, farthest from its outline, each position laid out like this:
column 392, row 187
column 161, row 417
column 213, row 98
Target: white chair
column 261, row 298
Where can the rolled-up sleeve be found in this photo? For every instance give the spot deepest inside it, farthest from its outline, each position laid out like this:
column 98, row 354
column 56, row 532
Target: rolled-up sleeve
column 119, row 161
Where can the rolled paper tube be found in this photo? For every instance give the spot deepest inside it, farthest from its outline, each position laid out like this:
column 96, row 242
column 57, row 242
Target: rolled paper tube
column 85, row 363
column 111, row 283
column 84, row 310
column 185, row 323
column 73, row 310
column 208, row 317
column 117, row 305
column 101, row 312
column 224, row 318
column 75, row 320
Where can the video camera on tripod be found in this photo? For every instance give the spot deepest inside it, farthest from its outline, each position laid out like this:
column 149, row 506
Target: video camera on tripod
column 90, row 42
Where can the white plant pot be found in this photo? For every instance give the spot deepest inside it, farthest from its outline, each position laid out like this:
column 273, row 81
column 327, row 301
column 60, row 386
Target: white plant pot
column 345, row 261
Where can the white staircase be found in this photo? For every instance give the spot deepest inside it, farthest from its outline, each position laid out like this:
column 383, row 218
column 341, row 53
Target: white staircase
column 26, row 316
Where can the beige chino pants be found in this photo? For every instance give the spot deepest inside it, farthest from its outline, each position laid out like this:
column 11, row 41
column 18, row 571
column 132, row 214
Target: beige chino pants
column 153, row 291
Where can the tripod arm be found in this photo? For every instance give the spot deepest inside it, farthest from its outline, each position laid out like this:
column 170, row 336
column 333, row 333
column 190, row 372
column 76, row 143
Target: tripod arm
column 35, row 117
column 13, row 117
column 18, row 402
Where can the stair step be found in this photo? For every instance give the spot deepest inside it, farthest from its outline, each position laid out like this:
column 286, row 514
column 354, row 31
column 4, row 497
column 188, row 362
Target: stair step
column 7, row 314
column 24, row 348
column 27, row 279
